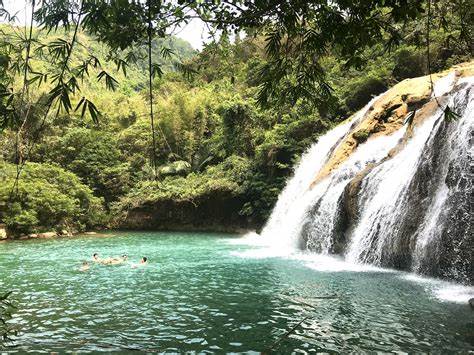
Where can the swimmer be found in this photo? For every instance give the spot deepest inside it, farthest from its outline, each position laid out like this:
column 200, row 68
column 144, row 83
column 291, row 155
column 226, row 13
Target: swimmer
column 85, row 266
column 143, row 262
column 117, row 261
column 95, row 258
column 107, row 261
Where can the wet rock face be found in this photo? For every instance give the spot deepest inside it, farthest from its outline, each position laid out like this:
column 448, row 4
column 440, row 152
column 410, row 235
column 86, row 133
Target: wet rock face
column 421, row 191
column 430, row 239
column 433, row 234
column 448, row 166
column 456, row 246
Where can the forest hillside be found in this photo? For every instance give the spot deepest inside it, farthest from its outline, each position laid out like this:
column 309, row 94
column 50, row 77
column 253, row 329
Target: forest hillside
column 216, row 145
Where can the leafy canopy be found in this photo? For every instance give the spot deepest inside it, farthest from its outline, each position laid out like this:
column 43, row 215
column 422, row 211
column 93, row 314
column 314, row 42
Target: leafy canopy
column 298, row 33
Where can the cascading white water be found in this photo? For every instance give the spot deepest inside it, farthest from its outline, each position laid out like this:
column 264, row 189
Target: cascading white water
column 288, row 215
column 408, row 203
column 320, row 224
column 382, row 194
column 459, row 150
column 385, row 192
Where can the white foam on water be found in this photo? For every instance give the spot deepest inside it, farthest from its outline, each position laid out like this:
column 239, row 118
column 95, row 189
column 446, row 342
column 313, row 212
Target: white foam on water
column 455, row 293
column 317, row 262
column 443, row 290
column 326, row 263
column 251, row 238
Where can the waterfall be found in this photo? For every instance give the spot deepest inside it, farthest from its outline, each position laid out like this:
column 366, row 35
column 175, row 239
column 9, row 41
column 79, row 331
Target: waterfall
column 322, row 220
column 404, row 199
column 412, row 208
column 384, row 192
column 449, row 218
column 288, row 215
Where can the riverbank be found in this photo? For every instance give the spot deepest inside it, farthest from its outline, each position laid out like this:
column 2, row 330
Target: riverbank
column 4, row 237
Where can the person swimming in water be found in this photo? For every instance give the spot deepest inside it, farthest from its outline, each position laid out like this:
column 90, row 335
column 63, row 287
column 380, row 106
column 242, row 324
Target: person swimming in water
column 117, row 261
column 95, row 258
column 85, row 266
column 143, row 262
column 104, row 261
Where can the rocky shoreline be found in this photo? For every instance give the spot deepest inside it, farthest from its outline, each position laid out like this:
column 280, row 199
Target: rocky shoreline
column 4, row 236
column 67, row 234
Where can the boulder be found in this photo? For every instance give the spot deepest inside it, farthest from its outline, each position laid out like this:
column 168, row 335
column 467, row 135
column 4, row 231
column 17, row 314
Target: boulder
column 47, row 235
column 361, row 135
column 471, row 303
column 65, row 233
column 3, row 232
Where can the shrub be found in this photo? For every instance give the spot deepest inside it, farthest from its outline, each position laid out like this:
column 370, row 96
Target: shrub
column 47, row 197
column 409, row 63
column 361, row 91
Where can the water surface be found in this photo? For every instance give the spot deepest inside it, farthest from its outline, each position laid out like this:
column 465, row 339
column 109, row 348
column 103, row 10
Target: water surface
column 209, row 293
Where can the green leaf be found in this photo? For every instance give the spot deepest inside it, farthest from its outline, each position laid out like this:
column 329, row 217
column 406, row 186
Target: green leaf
column 110, row 82
column 156, row 70
column 93, row 111
column 87, row 105
column 450, row 115
column 166, row 52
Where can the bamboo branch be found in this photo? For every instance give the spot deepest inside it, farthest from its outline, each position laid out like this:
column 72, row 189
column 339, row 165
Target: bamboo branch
column 38, row 131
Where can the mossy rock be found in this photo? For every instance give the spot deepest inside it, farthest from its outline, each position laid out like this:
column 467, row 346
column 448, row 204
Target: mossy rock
column 361, row 135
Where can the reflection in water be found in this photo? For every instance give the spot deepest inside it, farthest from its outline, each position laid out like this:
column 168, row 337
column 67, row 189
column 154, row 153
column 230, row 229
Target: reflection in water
column 203, row 293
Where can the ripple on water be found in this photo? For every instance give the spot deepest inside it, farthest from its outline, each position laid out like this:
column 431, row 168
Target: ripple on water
column 201, row 293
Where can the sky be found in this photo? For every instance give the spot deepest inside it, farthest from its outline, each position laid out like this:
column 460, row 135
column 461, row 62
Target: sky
column 195, row 32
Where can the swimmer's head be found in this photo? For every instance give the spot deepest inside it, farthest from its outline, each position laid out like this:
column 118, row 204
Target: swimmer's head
column 95, row 256
column 124, row 256
column 144, row 259
column 85, row 263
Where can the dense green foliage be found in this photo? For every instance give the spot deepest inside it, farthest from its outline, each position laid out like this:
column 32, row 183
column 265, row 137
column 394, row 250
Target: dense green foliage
column 47, row 198
column 299, row 34
column 235, row 122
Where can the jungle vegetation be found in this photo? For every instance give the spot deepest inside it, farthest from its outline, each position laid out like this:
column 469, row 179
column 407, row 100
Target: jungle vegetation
column 103, row 111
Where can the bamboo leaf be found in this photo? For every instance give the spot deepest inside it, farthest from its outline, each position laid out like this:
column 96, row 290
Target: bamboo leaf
column 110, row 82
